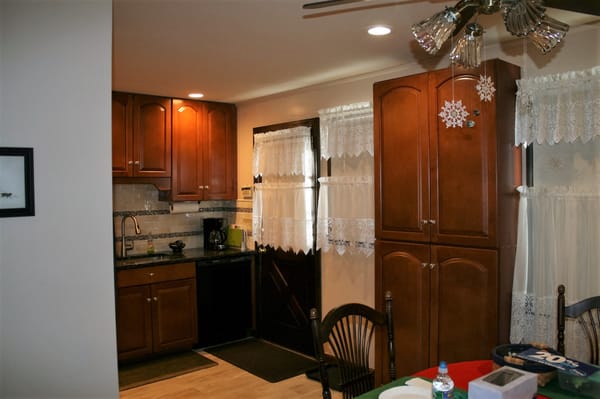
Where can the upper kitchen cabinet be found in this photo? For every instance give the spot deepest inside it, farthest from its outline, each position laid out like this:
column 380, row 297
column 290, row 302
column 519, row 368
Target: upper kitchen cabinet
column 141, row 136
column 445, row 184
column 204, row 151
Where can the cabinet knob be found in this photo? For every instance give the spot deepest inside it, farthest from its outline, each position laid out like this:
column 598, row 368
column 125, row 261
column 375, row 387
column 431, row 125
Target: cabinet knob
column 206, row 187
column 137, row 162
column 424, row 221
column 201, row 187
column 155, row 299
column 148, row 299
column 424, row 265
column 431, row 265
column 431, row 221
column 151, row 274
column 130, row 163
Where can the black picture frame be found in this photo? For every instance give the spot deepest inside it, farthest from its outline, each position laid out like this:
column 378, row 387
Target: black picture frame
column 16, row 182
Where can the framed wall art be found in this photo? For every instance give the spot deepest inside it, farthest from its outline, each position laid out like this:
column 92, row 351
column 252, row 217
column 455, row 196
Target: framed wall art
column 16, row 182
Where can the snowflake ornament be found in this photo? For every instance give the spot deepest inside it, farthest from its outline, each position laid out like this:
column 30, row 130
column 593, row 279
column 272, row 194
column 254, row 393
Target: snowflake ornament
column 485, row 88
column 454, row 113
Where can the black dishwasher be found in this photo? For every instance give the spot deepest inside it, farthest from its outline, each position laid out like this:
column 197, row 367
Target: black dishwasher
column 225, row 299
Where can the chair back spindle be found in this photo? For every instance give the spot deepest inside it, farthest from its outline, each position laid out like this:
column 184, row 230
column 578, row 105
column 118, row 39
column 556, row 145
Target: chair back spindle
column 587, row 314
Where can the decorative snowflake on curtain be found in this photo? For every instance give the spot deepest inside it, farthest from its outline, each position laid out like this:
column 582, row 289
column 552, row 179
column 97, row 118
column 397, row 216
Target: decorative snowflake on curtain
column 485, row 88
column 454, row 113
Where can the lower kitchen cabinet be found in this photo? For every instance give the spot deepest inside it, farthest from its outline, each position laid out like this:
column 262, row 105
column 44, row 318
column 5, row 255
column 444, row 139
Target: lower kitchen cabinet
column 445, row 302
column 156, row 310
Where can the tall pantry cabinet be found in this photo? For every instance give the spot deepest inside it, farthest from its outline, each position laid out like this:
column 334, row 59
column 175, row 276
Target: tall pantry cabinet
column 446, row 212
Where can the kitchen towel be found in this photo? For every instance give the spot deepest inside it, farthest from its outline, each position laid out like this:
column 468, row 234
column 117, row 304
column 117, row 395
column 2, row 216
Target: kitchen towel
column 185, row 207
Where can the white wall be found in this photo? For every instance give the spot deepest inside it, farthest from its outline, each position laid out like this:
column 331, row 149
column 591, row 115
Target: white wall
column 57, row 320
column 352, row 278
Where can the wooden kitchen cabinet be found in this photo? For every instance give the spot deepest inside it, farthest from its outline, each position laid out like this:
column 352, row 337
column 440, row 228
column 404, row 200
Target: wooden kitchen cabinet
column 141, row 136
column 446, row 213
column 445, row 184
column 156, row 310
column 204, row 151
column 445, row 301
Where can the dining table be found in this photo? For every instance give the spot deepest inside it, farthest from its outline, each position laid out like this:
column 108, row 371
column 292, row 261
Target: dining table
column 462, row 373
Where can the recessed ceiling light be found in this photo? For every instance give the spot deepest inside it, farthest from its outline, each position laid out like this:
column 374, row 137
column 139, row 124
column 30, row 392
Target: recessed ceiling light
column 379, row 30
column 195, row 95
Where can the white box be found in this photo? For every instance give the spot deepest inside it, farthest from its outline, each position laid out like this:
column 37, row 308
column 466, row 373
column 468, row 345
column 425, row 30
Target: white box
column 504, row 383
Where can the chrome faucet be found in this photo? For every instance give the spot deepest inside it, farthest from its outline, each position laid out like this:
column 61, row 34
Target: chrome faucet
column 124, row 245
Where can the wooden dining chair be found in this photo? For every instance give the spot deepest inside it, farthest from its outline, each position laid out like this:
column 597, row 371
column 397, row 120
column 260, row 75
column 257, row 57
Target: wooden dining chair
column 587, row 314
column 349, row 333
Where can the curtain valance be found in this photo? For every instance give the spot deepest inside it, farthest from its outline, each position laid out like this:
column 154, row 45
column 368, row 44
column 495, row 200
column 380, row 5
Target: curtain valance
column 559, row 107
column 283, row 152
column 346, row 130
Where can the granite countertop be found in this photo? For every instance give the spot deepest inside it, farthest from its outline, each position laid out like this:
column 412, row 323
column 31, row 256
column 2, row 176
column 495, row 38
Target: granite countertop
column 188, row 255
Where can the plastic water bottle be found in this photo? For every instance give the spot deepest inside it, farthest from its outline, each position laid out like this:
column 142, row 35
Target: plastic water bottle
column 442, row 385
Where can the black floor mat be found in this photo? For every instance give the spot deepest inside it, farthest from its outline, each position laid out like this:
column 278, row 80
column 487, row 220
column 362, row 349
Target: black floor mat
column 263, row 359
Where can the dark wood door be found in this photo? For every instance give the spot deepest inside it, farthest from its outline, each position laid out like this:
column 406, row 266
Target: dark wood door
column 174, row 315
column 288, row 289
column 463, row 187
column 220, row 166
column 445, row 302
column 402, row 159
column 134, row 322
column 403, row 269
column 288, row 283
column 122, row 139
column 464, row 304
column 151, row 136
column 189, row 124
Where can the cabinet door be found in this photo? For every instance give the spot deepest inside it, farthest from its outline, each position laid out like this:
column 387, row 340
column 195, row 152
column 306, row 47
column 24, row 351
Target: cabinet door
column 220, row 167
column 152, row 136
column 134, row 322
column 464, row 304
column 401, row 159
column 403, row 269
column 189, row 124
column 122, row 141
column 174, row 315
column 463, row 188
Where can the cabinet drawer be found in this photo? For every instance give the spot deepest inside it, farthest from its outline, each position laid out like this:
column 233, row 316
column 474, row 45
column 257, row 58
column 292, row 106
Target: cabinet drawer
column 155, row 274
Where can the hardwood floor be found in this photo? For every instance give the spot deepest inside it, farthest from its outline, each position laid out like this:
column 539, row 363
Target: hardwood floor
column 226, row 381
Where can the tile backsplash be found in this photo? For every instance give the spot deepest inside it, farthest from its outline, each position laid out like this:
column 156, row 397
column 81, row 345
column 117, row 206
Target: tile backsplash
column 159, row 224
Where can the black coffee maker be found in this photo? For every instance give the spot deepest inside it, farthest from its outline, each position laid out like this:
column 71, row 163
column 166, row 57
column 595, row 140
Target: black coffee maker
column 215, row 233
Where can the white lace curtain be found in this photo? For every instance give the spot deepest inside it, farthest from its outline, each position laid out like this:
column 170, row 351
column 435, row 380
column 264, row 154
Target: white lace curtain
column 560, row 107
column 346, row 130
column 559, row 232
column 559, row 219
column 283, row 203
column 345, row 208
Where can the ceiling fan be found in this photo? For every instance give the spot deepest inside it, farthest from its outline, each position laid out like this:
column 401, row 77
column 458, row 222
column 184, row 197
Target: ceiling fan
column 582, row 6
column 522, row 18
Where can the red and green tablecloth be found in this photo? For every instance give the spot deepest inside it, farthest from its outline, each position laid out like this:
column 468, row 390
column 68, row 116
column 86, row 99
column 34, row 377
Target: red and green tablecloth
column 463, row 372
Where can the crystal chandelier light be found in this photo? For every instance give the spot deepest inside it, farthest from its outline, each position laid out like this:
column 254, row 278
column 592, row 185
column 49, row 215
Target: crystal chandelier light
column 522, row 18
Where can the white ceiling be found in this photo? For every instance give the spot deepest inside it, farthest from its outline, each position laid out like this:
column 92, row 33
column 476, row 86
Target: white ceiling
column 237, row 50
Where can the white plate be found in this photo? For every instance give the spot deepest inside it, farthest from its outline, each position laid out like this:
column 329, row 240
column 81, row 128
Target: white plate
column 406, row 392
